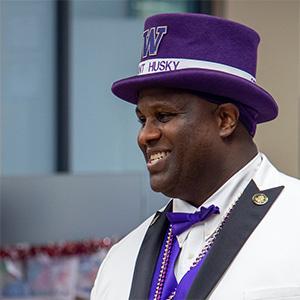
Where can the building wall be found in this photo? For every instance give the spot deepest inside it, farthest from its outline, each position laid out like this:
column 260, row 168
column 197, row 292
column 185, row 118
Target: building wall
column 63, row 207
column 27, row 95
column 278, row 23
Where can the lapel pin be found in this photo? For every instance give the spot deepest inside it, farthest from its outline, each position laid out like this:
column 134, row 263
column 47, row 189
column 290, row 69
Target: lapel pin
column 260, row 199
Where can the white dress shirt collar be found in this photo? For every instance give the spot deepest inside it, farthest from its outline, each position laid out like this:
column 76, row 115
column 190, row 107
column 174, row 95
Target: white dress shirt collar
column 224, row 197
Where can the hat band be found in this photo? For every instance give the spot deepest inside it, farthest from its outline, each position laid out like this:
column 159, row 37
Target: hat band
column 159, row 65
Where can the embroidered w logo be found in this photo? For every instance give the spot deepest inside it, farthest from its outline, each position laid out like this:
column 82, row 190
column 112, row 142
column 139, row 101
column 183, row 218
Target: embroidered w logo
column 152, row 39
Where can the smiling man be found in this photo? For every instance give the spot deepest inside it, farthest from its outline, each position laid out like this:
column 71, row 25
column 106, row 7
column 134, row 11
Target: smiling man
column 225, row 232
column 184, row 138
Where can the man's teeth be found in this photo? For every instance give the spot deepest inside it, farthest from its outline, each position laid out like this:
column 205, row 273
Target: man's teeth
column 154, row 158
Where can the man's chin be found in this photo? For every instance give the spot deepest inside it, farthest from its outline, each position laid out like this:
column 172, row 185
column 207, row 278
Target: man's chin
column 161, row 185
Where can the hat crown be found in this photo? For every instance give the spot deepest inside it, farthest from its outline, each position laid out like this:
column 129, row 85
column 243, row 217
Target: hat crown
column 202, row 54
column 200, row 37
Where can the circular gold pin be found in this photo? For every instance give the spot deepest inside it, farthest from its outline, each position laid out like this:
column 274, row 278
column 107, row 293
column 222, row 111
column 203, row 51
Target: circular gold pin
column 260, row 199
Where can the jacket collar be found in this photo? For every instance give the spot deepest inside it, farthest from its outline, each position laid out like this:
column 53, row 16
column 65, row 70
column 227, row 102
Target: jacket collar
column 148, row 255
column 242, row 221
column 267, row 176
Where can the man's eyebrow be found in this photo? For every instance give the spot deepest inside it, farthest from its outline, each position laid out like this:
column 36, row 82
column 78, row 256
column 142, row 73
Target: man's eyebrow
column 137, row 110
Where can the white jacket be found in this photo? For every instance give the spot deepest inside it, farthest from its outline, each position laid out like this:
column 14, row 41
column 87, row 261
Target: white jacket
column 266, row 267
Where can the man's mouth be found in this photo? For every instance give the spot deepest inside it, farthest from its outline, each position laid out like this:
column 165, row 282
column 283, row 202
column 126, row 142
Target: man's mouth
column 156, row 157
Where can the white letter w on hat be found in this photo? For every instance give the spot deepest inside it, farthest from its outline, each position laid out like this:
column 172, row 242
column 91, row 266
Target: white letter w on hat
column 152, row 40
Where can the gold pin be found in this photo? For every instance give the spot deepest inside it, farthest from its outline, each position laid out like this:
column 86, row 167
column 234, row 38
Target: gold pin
column 260, row 199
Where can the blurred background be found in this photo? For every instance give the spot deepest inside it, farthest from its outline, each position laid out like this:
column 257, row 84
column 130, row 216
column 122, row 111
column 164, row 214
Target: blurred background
column 70, row 166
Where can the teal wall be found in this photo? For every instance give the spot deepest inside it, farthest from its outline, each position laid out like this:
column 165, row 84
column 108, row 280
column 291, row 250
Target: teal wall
column 27, row 87
column 102, row 50
column 107, row 191
column 40, row 209
column 104, row 128
column 37, row 205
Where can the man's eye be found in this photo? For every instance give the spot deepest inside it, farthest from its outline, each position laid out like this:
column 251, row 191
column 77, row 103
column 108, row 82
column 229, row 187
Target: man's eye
column 164, row 117
column 141, row 120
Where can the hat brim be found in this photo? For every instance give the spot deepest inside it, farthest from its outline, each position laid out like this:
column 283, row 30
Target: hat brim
column 210, row 82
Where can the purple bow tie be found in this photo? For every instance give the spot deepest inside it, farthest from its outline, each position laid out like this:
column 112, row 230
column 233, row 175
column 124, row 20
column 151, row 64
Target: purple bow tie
column 183, row 221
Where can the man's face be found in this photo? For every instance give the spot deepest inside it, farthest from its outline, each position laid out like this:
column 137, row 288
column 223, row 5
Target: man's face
column 179, row 139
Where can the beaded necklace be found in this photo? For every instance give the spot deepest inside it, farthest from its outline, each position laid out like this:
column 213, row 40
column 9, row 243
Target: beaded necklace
column 167, row 253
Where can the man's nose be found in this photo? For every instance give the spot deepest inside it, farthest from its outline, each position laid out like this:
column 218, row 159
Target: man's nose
column 149, row 133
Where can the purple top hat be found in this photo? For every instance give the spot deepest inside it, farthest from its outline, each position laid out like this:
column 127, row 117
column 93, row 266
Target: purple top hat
column 204, row 54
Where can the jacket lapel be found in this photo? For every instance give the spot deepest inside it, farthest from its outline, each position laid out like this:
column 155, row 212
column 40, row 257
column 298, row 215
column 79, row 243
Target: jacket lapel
column 148, row 255
column 243, row 219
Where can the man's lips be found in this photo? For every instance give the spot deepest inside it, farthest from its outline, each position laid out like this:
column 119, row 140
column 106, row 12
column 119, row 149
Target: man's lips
column 156, row 159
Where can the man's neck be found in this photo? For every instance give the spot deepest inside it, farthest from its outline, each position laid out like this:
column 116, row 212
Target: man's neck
column 218, row 177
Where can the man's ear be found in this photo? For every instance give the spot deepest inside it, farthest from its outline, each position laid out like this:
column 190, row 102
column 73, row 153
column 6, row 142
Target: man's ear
column 228, row 116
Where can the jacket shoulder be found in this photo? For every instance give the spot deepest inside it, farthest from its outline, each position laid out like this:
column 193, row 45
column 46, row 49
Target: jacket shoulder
column 291, row 186
column 116, row 270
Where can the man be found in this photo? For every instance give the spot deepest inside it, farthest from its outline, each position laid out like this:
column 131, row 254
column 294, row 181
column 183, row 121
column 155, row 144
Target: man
column 231, row 228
